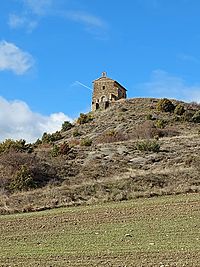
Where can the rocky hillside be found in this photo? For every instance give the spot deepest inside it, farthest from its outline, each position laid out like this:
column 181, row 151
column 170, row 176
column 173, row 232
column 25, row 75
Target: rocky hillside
column 138, row 147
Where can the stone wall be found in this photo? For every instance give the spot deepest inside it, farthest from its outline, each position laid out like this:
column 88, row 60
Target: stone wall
column 105, row 92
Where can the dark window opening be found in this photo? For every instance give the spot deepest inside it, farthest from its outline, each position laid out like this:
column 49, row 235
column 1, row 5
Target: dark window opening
column 104, row 87
column 106, row 104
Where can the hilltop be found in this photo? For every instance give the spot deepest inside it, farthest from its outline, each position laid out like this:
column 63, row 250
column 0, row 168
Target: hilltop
column 135, row 148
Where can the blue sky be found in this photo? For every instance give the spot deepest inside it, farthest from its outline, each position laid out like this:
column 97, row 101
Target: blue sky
column 49, row 47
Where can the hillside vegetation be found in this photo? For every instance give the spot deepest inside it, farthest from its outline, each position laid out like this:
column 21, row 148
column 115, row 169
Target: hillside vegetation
column 139, row 147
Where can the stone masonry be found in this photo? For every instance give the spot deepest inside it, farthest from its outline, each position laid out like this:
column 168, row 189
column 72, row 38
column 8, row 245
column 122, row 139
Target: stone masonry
column 105, row 92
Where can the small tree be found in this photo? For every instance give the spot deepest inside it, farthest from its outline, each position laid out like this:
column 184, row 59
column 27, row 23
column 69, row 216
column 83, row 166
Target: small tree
column 76, row 133
column 165, row 105
column 22, row 180
column 188, row 115
column 17, row 146
column 50, row 138
column 84, row 118
column 179, row 110
column 66, row 126
column 55, row 151
column 196, row 117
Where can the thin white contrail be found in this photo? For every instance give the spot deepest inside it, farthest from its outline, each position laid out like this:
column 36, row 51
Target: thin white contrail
column 77, row 82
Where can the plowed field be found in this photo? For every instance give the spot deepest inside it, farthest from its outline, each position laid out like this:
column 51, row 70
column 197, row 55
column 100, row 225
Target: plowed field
column 163, row 231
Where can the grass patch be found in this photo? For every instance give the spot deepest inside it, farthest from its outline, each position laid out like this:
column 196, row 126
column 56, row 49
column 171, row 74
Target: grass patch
column 133, row 233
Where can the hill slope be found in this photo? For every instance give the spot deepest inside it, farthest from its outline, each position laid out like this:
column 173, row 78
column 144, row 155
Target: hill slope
column 106, row 156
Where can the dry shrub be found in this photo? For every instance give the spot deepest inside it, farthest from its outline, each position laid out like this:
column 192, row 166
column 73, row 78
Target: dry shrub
column 146, row 130
column 74, row 142
column 62, row 149
column 194, row 105
column 111, row 136
column 168, row 132
column 12, row 166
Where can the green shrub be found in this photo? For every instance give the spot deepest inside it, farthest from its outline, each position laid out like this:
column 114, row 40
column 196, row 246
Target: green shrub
column 111, row 132
column 177, row 118
column 179, row 110
column 187, row 115
column 76, row 133
column 22, row 180
column 196, row 117
column 37, row 143
column 165, row 105
column 148, row 145
column 149, row 117
column 50, row 138
column 66, row 126
column 17, row 146
column 111, row 136
column 84, row 118
column 160, row 124
column 86, row 142
column 55, row 151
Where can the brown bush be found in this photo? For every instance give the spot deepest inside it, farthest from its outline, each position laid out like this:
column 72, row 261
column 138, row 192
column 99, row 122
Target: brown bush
column 111, row 136
column 146, row 130
column 11, row 164
column 74, row 142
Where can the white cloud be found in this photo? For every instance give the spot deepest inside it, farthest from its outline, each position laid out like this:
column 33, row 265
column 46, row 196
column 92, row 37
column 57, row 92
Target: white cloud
column 92, row 24
column 12, row 58
column 187, row 58
column 16, row 21
column 35, row 10
column 162, row 84
column 38, row 7
column 31, row 13
column 86, row 18
column 17, row 121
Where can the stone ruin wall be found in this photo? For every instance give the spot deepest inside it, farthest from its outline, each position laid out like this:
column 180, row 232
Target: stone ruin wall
column 98, row 92
column 105, row 92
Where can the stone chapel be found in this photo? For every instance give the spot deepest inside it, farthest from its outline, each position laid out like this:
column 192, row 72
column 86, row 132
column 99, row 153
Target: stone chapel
column 105, row 92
